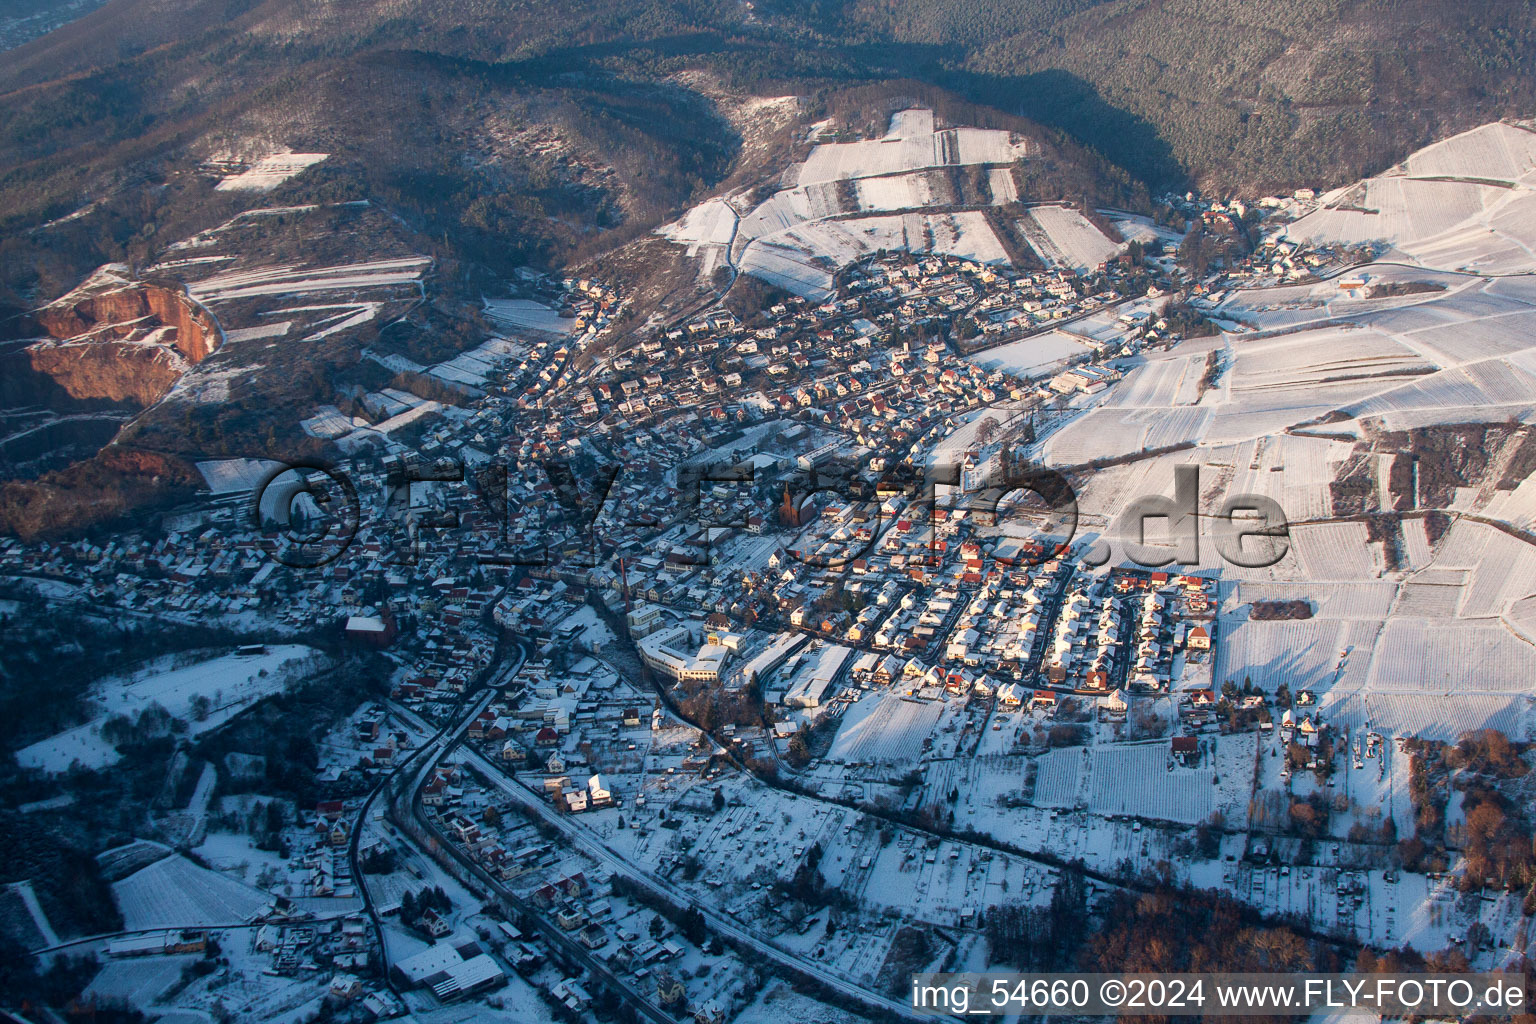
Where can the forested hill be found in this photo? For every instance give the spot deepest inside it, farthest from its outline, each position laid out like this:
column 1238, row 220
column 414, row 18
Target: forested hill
column 534, row 130
column 1238, row 95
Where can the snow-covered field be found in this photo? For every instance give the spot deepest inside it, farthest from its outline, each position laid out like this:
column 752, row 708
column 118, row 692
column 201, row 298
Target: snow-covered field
column 712, row 222
column 801, row 259
column 230, row 682
column 526, row 315
column 175, row 893
column 799, row 235
column 1065, row 238
column 236, row 476
column 1059, row 777
column 1033, row 355
column 1001, row 183
column 1134, row 779
column 297, row 279
column 882, row 728
column 908, row 148
column 1423, row 652
column 778, row 1003
column 1466, row 202
column 140, row 981
column 269, row 172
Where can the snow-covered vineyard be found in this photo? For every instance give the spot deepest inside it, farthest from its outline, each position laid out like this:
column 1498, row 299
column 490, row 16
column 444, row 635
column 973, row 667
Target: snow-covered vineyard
column 850, row 200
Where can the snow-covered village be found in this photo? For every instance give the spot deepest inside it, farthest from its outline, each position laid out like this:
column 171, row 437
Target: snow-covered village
column 736, row 664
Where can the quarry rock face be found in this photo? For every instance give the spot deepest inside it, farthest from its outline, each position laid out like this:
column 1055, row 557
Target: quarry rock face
column 120, row 339
column 117, row 371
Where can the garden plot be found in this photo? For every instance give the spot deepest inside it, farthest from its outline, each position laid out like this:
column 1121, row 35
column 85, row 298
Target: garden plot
column 175, row 893
column 882, row 728
column 1134, row 779
column 229, row 684
column 777, row 1002
column 959, row 877
column 1065, row 238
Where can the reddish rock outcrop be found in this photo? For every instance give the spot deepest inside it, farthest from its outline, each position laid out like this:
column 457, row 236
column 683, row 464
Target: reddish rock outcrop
column 118, row 371
column 121, row 339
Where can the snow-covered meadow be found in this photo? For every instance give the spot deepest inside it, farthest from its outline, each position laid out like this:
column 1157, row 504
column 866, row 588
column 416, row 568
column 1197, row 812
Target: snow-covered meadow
column 229, row 683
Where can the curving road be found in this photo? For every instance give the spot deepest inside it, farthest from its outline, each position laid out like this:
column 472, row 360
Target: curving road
column 726, row 926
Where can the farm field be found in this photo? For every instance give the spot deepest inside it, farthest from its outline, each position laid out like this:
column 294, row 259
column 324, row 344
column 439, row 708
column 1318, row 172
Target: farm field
column 800, row 259
column 235, row 476
column 293, row 279
column 139, row 981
